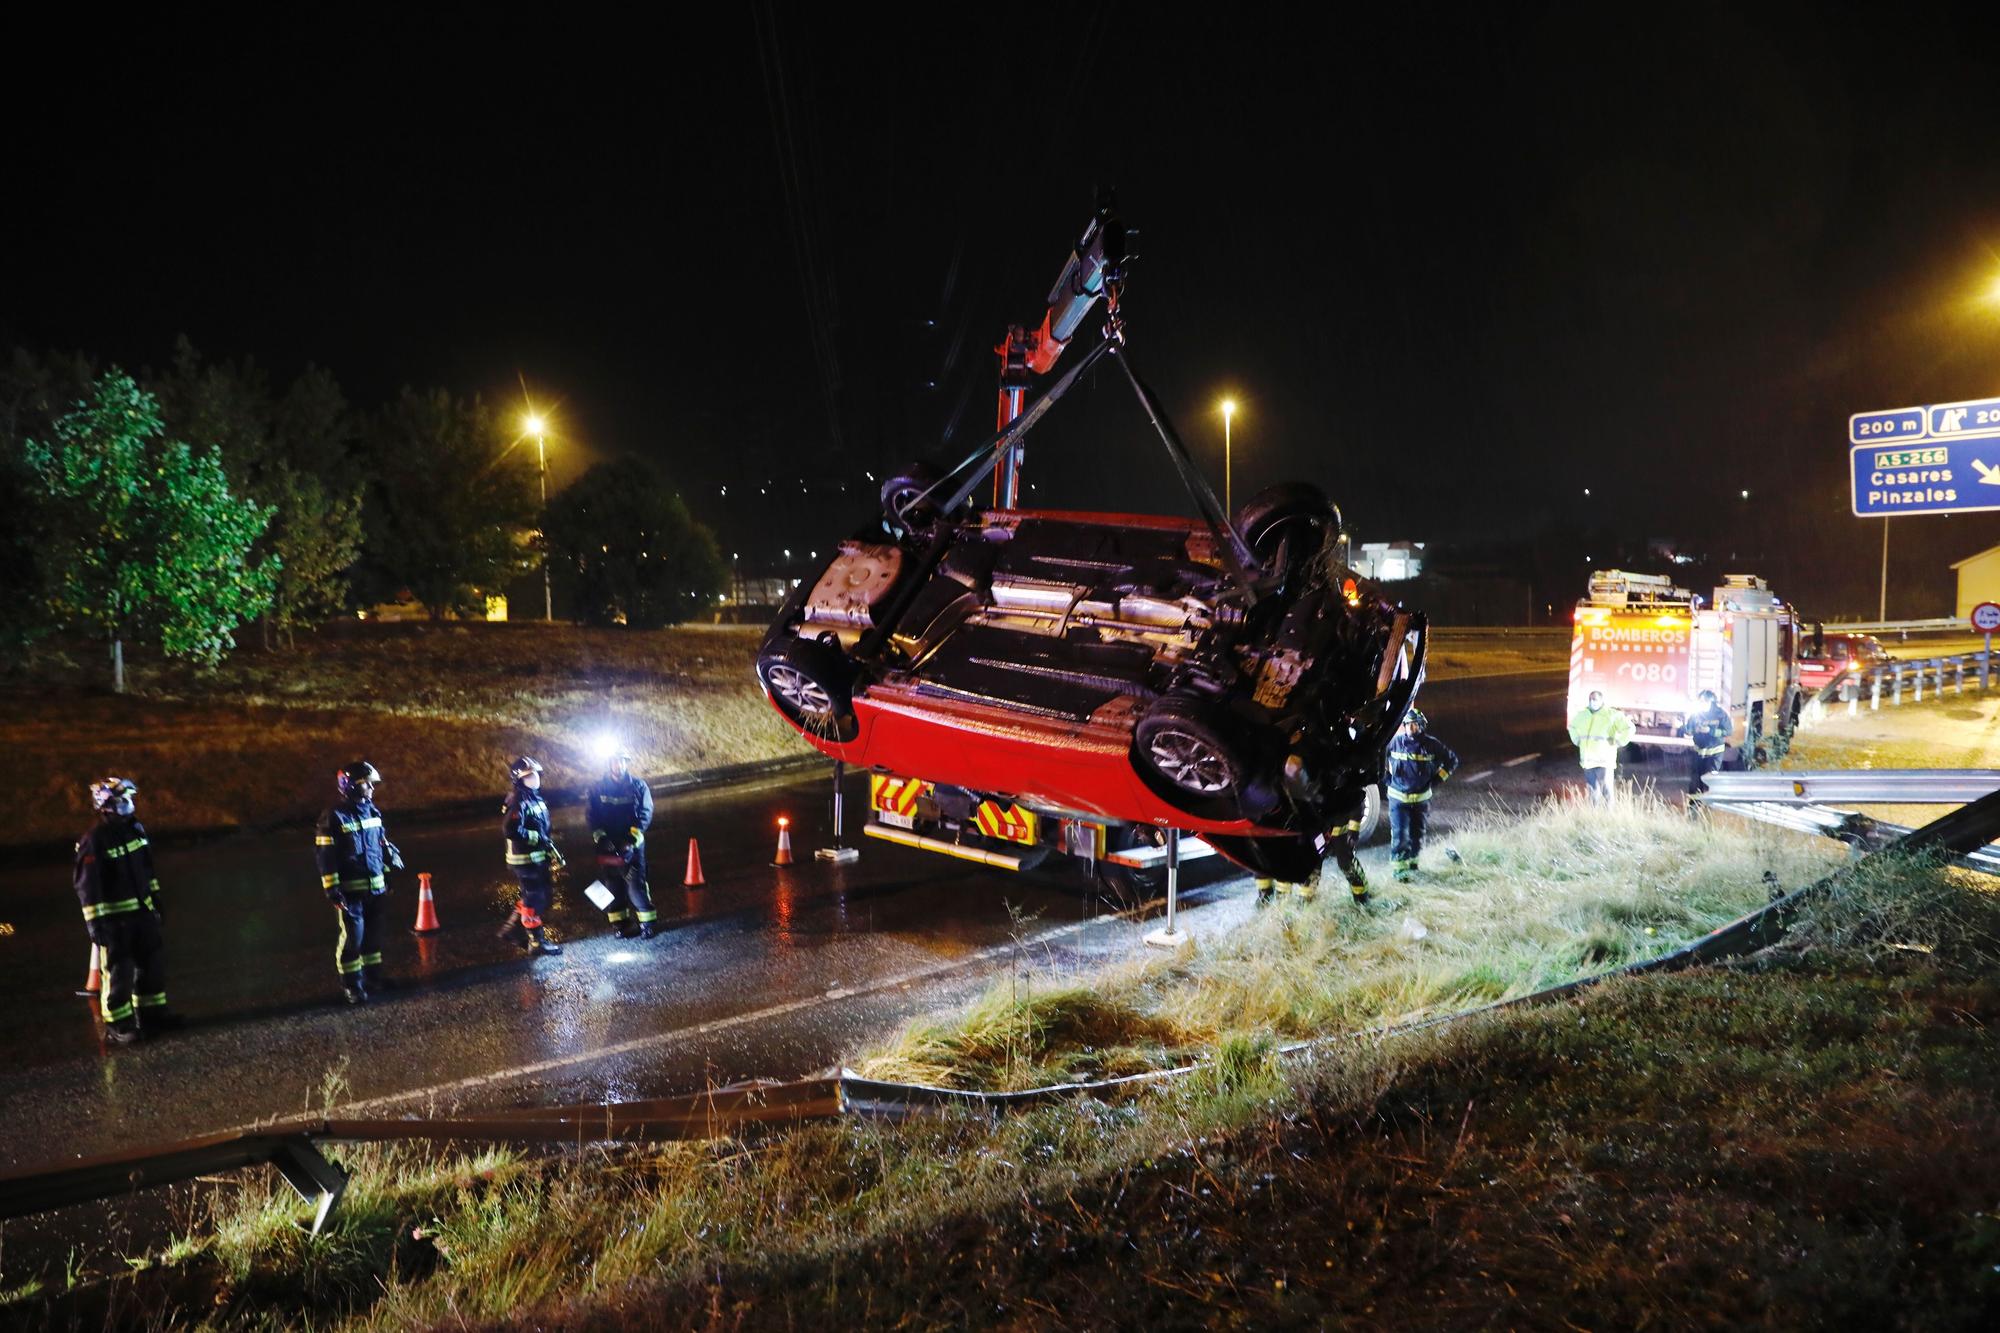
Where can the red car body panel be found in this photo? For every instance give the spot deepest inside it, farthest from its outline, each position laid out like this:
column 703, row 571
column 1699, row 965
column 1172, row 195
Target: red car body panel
column 1081, row 769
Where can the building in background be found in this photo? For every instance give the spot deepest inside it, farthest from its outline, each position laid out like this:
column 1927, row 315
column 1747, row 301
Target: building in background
column 1978, row 580
column 1388, row 562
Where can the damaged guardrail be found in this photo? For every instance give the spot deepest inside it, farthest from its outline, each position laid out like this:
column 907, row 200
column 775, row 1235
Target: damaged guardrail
column 1904, row 676
column 293, row 1148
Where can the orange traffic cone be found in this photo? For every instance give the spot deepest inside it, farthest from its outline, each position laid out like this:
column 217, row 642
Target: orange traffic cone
column 93, row 982
column 694, row 879
column 427, row 912
column 784, row 857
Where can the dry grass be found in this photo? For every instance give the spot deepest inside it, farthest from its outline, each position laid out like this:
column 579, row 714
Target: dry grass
column 439, row 708
column 1802, row 1141
column 1537, row 899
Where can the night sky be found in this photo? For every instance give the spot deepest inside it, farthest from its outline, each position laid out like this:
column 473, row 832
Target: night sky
column 1456, row 266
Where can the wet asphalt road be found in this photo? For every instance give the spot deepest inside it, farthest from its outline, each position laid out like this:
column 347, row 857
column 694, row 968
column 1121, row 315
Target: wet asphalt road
column 761, row 972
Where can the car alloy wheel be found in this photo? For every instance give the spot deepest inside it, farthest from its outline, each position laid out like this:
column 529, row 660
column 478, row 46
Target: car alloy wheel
column 1189, row 761
column 806, row 696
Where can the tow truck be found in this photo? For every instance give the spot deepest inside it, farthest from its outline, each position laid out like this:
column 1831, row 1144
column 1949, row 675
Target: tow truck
column 1016, row 830
column 1652, row 648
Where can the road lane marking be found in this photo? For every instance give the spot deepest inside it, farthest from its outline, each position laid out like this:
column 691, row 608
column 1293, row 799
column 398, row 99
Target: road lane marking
column 713, row 1025
column 1518, row 760
column 1495, row 675
column 1482, row 773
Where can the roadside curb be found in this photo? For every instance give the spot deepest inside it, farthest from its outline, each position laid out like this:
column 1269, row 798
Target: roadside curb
column 15, row 855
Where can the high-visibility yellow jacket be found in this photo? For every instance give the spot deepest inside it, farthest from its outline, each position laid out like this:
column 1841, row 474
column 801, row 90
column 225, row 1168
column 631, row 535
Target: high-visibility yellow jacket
column 1597, row 736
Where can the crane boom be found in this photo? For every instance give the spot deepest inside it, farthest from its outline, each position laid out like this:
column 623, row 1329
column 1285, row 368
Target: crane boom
column 1095, row 271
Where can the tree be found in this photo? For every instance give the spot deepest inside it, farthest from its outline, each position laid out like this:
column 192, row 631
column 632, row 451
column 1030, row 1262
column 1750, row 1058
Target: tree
column 635, row 553
column 145, row 535
column 448, row 504
column 290, row 453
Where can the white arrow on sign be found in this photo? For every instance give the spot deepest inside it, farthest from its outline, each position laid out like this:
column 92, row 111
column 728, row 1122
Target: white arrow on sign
column 1988, row 476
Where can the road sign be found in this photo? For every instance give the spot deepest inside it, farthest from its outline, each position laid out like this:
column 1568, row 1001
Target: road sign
column 1956, row 475
column 1902, row 423
column 1979, row 416
column 1986, row 617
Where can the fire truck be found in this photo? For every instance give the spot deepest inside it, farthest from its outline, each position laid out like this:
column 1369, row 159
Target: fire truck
column 1652, row 648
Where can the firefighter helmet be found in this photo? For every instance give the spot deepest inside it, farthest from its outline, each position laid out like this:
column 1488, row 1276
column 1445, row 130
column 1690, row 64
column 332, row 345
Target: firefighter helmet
column 1709, row 695
column 521, row 767
column 354, row 774
column 106, row 793
column 1415, row 718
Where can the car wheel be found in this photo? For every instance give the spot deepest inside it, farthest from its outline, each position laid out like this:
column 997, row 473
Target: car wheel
column 903, row 505
column 1292, row 518
column 1371, row 816
column 812, row 685
column 1192, row 758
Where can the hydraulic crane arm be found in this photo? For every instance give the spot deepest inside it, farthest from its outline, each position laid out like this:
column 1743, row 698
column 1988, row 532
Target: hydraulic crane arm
column 1095, row 270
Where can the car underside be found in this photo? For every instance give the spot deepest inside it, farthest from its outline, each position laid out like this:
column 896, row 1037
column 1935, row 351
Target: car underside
column 1115, row 667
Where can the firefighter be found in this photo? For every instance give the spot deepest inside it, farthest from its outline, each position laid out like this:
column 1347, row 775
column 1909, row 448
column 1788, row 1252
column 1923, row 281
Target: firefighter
column 355, row 857
column 1418, row 762
column 1707, row 731
column 620, row 810
column 119, row 892
column 1599, row 732
column 532, row 856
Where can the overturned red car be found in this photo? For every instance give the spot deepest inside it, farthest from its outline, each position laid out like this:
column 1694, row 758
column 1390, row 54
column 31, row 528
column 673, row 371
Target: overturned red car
column 1112, row 667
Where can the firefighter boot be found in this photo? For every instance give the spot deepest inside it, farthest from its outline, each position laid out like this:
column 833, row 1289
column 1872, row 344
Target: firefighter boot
column 1264, row 891
column 540, row 943
column 352, row 991
column 647, row 930
column 125, row 1032
column 516, row 932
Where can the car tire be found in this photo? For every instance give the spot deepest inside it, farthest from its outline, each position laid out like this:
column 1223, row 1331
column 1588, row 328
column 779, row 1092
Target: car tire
column 903, row 490
column 812, row 684
column 1193, row 758
column 1277, row 517
column 1372, row 822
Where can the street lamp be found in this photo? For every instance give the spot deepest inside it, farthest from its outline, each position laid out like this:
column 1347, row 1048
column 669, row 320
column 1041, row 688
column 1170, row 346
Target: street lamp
column 538, row 428
column 1228, row 414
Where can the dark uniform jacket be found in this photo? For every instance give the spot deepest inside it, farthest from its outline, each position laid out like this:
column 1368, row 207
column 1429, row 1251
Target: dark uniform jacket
column 525, row 821
column 620, row 811
column 352, row 850
column 1416, row 765
column 1709, row 730
column 114, row 871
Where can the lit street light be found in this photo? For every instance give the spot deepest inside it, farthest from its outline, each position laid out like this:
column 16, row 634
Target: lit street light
column 1228, row 415
column 538, row 428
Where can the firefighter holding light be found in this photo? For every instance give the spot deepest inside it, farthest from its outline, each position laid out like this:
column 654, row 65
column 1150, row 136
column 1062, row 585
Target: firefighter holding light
column 1418, row 763
column 1599, row 731
column 355, row 857
column 118, row 890
column 1707, row 731
column 619, row 811
column 532, row 856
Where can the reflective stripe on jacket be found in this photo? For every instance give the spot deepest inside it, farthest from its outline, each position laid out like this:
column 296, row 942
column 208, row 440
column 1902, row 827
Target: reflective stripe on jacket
column 114, row 869
column 1598, row 736
column 1417, row 764
column 620, row 810
column 350, row 847
column 1708, row 730
column 525, row 822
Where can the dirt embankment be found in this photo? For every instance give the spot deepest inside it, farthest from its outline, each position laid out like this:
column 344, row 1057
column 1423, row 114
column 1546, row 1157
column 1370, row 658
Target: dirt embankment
column 439, row 709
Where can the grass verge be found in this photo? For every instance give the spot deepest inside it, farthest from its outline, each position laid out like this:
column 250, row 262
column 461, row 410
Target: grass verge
column 1802, row 1139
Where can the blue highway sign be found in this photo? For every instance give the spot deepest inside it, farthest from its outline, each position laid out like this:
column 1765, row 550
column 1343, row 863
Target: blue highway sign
column 1902, row 423
column 1956, row 475
column 1955, row 419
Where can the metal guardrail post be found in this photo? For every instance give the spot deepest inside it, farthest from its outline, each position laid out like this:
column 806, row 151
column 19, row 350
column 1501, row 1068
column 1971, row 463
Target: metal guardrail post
column 1874, row 691
column 1960, row 664
column 1850, row 690
column 1897, row 700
